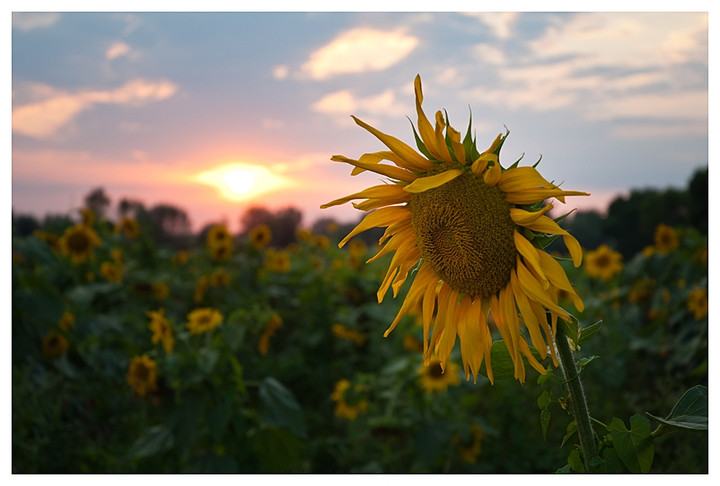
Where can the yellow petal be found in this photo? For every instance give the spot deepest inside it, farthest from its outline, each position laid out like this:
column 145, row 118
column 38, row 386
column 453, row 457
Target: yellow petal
column 530, row 254
column 457, row 145
column 529, row 318
column 380, row 218
column 380, row 191
column 534, row 291
column 399, row 147
column 422, row 184
column 492, row 175
column 375, row 157
column 427, row 134
column 522, row 178
column 532, row 196
column 440, row 139
column 523, row 218
column 482, row 162
column 447, row 340
column 382, row 169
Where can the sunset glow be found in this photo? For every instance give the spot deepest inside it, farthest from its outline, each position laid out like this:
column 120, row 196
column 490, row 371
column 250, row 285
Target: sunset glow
column 237, row 181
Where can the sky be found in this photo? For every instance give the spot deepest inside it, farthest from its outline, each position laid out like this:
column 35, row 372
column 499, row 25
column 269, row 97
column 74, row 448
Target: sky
column 217, row 112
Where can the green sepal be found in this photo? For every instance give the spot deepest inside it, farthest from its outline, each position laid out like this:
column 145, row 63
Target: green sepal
column 469, row 145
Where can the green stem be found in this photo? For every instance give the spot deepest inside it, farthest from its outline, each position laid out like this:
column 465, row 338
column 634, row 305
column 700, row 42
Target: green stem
column 578, row 404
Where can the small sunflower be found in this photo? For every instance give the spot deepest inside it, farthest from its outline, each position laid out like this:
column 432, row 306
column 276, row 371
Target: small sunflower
column 603, row 263
column 128, row 226
column 666, row 239
column 460, row 221
column 271, row 327
column 277, row 261
column 142, row 375
column 697, row 302
column 181, row 257
column 221, row 251
column 470, row 447
column 54, row 344
column 161, row 329
column 348, row 399
column 160, row 290
column 78, row 242
column 203, row 320
column 219, row 278
column 260, row 236
column 67, row 320
column 436, row 377
column 200, row 289
column 218, row 234
column 113, row 272
column 343, row 332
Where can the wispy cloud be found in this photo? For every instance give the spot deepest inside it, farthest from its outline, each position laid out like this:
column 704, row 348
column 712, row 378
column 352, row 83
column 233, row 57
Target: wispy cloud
column 359, row 50
column 341, row 104
column 26, row 21
column 43, row 118
column 500, row 23
column 119, row 49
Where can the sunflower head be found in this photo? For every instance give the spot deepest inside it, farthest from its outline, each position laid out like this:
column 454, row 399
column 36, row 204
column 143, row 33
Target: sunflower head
column 434, row 377
column 666, row 238
column 603, row 263
column 203, row 320
column 78, row 242
column 260, row 236
column 472, row 233
column 54, row 344
column 128, row 226
column 142, row 375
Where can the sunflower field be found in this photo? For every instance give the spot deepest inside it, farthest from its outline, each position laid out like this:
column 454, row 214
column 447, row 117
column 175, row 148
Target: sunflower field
column 238, row 355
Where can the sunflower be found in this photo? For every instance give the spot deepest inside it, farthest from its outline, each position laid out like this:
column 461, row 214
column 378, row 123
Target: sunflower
column 277, row 261
column 436, row 377
column 348, row 401
column 128, row 227
column 219, row 278
column 218, row 234
column 469, row 447
column 271, row 327
column 67, row 320
column 88, row 216
column 161, row 329
column 472, row 232
column 697, row 302
column 113, row 272
column 200, row 289
column 181, row 257
column 343, row 332
column 78, row 242
column 603, row 263
column 260, row 236
column 221, row 251
column 666, row 239
column 142, row 375
column 160, row 290
column 203, row 320
column 54, row 344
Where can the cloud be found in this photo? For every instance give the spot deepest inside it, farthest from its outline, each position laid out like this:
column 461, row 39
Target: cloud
column 118, row 49
column 280, row 72
column 359, row 50
column 628, row 39
column 42, row 119
column 500, row 23
column 345, row 103
column 26, row 21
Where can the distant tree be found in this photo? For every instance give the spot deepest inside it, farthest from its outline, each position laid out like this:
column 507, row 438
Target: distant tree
column 169, row 221
column 131, row 207
column 698, row 193
column 586, row 226
column 283, row 223
column 98, row 201
column 24, row 224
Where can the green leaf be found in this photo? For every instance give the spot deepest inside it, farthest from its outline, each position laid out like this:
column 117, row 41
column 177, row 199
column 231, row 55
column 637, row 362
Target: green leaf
column 544, row 421
column 634, row 447
column 501, row 362
column 569, row 432
column 280, row 408
column 583, row 362
column 543, row 401
column 586, row 333
column 690, row 412
column 277, row 450
column 571, row 330
column 156, row 439
column 575, row 462
column 207, row 358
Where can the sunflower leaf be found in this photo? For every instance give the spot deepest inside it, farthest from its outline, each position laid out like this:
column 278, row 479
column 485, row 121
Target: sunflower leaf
column 634, row 446
column 587, row 333
column 690, row 412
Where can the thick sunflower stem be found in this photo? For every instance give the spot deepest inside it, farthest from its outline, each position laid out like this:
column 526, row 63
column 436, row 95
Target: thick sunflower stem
column 578, row 404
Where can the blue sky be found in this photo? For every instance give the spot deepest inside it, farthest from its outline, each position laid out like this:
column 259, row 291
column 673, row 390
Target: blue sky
column 152, row 106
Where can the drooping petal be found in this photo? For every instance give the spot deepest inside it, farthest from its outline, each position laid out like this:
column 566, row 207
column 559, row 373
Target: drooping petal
column 387, row 170
column 523, row 218
column 427, row 134
column 522, row 178
column 422, row 184
column 398, row 146
column 529, row 253
column 492, row 175
column 535, row 291
column 543, row 224
column 529, row 318
column 479, row 165
column 379, row 191
column 532, row 196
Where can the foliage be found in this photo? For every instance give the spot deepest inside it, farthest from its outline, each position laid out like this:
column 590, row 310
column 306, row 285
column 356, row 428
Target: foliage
column 258, row 392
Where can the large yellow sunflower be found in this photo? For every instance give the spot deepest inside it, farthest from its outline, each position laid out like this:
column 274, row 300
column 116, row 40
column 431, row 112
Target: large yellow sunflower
column 472, row 232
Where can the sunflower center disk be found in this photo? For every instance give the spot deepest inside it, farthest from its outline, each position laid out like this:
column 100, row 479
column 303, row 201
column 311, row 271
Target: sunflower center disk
column 465, row 234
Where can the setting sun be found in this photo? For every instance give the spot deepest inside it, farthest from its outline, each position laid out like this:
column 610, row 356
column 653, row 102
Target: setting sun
column 238, row 181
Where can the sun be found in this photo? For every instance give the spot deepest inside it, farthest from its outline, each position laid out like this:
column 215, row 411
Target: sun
column 238, row 181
